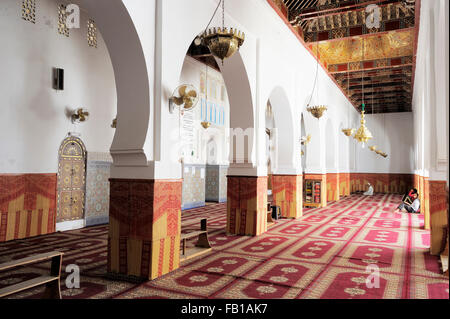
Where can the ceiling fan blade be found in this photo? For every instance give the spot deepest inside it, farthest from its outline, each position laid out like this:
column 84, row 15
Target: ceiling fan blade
column 182, row 90
column 188, row 104
column 192, row 93
column 177, row 100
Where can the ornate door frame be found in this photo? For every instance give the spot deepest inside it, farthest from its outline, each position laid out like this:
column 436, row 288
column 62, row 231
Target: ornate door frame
column 71, row 186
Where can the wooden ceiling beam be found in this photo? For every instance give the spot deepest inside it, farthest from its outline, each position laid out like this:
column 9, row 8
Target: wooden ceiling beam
column 373, row 69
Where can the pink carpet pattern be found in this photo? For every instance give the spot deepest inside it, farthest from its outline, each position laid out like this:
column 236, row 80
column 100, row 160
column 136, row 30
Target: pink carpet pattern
column 323, row 255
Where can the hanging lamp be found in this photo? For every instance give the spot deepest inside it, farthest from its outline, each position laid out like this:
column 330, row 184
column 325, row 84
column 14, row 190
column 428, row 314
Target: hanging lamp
column 205, row 123
column 363, row 134
column 348, row 131
column 222, row 43
column 316, row 110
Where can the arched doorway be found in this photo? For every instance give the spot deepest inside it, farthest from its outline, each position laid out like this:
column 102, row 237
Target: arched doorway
column 285, row 157
column 71, row 185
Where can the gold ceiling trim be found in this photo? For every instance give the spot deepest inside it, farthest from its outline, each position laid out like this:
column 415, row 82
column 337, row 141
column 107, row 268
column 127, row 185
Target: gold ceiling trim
column 393, row 44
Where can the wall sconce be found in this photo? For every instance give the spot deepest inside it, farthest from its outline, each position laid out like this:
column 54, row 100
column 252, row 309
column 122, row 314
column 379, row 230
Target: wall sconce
column 79, row 116
column 206, row 125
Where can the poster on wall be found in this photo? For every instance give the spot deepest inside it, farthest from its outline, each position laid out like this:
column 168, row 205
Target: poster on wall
column 187, row 134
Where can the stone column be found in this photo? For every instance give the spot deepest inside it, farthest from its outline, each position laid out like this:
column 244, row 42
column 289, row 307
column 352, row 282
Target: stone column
column 287, row 193
column 332, row 187
column 438, row 199
column 144, row 228
column 247, row 205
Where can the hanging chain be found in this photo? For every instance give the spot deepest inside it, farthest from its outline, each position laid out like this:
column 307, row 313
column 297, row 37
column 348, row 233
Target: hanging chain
column 214, row 14
column 317, row 71
column 223, row 15
column 363, row 56
column 348, row 91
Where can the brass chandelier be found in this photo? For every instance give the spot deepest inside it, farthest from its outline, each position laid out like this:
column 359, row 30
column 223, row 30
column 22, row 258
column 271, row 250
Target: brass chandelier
column 363, row 134
column 222, row 43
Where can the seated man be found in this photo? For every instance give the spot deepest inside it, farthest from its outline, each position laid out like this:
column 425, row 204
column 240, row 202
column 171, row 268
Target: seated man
column 410, row 208
column 369, row 191
column 408, row 197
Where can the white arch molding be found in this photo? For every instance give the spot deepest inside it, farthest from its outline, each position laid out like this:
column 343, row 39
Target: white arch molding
column 287, row 150
column 131, row 76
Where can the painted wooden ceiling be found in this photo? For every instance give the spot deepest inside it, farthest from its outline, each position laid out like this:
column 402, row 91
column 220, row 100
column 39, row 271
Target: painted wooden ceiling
column 372, row 65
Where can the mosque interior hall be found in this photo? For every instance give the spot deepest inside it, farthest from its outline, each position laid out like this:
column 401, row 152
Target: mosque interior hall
column 224, row 149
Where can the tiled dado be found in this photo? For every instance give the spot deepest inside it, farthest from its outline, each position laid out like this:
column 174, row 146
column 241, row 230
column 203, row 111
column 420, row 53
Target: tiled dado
column 287, row 193
column 144, row 227
column 438, row 199
column 216, row 183
column 27, row 205
column 344, row 184
column 323, row 179
column 382, row 183
column 332, row 187
column 194, row 176
column 246, row 205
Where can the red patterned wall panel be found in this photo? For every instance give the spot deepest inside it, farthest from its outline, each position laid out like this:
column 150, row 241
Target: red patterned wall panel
column 145, row 227
column 288, row 194
column 438, row 198
column 332, row 187
column 344, row 184
column 27, row 205
column 247, row 205
column 382, row 183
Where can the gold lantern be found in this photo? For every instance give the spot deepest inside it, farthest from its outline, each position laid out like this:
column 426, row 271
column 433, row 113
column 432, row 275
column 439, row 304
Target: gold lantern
column 222, row 43
column 317, row 111
column 363, row 134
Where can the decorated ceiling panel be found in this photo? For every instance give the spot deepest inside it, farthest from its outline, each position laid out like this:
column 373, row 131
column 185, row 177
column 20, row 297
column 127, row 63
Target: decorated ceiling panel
column 367, row 46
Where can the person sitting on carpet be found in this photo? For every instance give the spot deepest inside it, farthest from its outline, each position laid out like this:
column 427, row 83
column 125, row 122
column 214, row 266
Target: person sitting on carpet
column 369, row 191
column 410, row 208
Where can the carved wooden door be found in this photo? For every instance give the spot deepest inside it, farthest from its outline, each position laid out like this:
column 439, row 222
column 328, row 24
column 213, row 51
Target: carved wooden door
column 71, row 180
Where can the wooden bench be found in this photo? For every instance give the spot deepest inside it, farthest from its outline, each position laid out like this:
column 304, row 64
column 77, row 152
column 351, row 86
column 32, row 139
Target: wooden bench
column 201, row 247
column 51, row 281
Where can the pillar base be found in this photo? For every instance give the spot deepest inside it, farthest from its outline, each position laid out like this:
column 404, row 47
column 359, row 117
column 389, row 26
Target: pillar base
column 438, row 215
column 344, row 184
column 287, row 193
column 247, row 205
column 332, row 187
column 144, row 228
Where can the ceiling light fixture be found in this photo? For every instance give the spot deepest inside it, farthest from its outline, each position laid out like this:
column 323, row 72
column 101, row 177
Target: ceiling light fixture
column 363, row 135
column 222, row 43
column 316, row 110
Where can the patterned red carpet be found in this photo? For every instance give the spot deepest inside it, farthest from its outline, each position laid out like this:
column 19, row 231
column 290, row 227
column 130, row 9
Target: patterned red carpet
column 322, row 255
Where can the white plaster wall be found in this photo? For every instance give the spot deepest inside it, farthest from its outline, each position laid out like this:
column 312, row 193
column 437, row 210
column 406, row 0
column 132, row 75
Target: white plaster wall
column 272, row 56
column 32, row 114
column 191, row 73
column 393, row 133
column 430, row 97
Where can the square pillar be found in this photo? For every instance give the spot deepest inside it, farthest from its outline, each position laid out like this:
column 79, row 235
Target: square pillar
column 344, row 184
column 332, row 187
column 287, row 193
column 247, row 205
column 144, row 228
column 438, row 199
